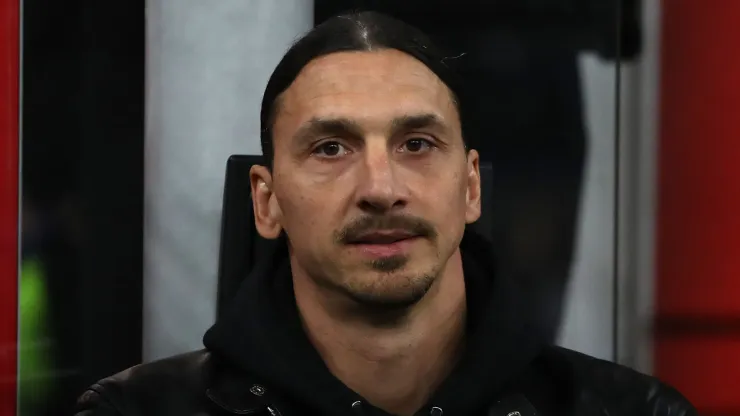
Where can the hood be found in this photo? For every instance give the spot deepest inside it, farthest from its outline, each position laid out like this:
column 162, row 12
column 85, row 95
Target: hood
column 261, row 333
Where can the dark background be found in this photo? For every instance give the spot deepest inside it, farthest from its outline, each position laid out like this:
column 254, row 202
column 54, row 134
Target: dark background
column 82, row 180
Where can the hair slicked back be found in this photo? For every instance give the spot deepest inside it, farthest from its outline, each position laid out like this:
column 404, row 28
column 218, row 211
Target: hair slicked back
column 360, row 31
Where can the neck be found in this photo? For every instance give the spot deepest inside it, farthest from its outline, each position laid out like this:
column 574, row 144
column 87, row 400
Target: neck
column 398, row 366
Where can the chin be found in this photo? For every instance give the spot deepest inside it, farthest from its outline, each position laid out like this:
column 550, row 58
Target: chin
column 391, row 291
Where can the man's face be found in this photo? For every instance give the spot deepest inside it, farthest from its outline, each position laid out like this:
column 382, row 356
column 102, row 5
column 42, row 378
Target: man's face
column 370, row 181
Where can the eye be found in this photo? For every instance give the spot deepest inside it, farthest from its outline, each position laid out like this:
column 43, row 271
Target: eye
column 330, row 149
column 417, row 145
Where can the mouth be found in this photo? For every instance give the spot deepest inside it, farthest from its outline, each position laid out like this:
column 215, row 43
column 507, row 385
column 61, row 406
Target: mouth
column 382, row 237
column 384, row 244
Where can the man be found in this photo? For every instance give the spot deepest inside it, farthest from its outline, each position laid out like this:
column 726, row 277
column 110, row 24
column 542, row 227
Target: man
column 379, row 302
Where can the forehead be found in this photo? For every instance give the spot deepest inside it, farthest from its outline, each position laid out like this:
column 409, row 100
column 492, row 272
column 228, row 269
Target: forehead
column 376, row 85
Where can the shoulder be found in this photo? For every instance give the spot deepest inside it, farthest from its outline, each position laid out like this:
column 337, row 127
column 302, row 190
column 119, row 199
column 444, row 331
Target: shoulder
column 617, row 389
column 145, row 386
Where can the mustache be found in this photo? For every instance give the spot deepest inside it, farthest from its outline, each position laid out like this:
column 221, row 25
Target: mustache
column 364, row 225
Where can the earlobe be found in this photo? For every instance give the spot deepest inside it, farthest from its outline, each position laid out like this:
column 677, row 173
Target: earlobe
column 473, row 200
column 266, row 208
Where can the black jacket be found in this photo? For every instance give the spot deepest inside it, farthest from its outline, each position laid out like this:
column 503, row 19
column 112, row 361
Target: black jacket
column 258, row 361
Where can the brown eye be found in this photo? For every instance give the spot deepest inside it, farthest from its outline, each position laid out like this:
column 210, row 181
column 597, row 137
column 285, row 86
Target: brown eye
column 329, row 149
column 416, row 145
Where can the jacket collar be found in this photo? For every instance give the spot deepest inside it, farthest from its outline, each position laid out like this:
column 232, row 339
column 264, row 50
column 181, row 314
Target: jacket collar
column 236, row 392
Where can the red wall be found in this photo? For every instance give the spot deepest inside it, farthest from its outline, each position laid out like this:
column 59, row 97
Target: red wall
column 697, row 346
column 9, row 66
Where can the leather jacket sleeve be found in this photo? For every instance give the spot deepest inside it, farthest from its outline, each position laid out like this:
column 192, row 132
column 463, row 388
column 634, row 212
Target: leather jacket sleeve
column 666, row 401
column 94, row 403
column 607, row 388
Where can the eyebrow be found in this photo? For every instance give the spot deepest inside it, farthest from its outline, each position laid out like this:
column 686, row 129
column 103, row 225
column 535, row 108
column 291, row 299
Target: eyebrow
column 340, row 126
column 417, row 121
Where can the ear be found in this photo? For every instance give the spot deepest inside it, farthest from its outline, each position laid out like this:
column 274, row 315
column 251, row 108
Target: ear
column 473, row 194
column 266, row 209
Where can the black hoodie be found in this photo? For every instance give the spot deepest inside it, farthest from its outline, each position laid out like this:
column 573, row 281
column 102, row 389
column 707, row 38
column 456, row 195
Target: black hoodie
column 261, row 334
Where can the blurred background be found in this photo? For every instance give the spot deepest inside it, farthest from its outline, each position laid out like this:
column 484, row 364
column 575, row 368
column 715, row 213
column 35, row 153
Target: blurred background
column 609, row 125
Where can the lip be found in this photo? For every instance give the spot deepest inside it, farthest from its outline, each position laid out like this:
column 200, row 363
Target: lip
column 380, row 250
column 383, row 237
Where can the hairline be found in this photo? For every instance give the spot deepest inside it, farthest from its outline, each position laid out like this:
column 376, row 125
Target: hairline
column 276, row 103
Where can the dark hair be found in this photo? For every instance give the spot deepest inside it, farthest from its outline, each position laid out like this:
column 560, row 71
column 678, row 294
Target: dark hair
column 359, row 31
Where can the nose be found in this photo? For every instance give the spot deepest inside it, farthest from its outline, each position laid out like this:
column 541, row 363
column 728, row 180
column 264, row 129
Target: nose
column 381, row 187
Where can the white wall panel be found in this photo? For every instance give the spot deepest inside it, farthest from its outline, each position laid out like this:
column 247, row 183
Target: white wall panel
column 207, row 66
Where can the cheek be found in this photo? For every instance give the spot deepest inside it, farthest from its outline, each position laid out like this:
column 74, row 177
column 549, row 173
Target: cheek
column 452, row 212
column 446, row 201
column 306, row 218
